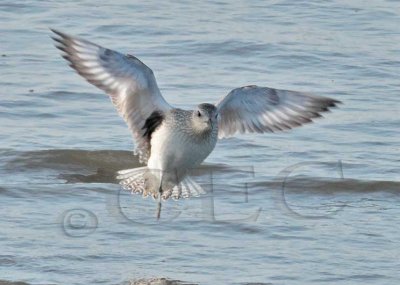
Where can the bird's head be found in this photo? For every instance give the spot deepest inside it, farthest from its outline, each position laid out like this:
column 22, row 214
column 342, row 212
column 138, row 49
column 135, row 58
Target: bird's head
column 204, row 117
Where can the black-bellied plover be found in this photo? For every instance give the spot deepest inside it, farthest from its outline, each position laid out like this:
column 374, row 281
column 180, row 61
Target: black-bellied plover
column 171, row 141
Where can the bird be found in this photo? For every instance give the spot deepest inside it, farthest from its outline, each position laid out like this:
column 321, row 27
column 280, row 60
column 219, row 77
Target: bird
column 170, row 141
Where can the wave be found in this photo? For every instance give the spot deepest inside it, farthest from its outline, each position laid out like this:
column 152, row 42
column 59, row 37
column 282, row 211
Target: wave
column 100, row 166
column 157, row 281
column 151, row 281
column 299, row 184
column 76, row 166
column 5, row 282
column 72, row 159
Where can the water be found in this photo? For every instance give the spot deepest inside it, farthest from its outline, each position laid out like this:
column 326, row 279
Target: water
column 318, row 204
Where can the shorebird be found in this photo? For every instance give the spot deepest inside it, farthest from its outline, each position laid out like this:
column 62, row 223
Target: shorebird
column 171, row 141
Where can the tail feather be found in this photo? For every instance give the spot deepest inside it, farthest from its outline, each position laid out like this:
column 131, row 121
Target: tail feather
column 122, row 174
column 134, row 180
column 196, row 189
column 185, row 189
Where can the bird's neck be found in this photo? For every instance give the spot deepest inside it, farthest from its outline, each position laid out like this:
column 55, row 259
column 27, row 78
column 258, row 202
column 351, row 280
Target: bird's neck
column 204, row 132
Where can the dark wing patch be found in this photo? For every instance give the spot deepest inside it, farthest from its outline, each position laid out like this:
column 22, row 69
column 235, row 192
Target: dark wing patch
column 152, row 123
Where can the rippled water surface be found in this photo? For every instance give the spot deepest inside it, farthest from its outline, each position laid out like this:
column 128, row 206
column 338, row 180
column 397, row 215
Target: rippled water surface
column 316, row 205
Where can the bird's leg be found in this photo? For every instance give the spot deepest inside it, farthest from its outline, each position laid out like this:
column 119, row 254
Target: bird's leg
column 159, row 197
column 159, row 203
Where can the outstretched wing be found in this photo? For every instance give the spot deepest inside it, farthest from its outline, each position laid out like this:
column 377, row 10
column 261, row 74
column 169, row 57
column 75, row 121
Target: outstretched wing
column 262, row 109
column 128, row 81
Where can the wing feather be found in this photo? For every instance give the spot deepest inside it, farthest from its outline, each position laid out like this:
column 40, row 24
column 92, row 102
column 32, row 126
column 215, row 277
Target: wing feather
column 262, row 109
column 130, row 84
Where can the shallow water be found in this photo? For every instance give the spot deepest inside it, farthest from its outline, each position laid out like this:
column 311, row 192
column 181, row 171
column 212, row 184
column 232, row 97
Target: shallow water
column 318, row 204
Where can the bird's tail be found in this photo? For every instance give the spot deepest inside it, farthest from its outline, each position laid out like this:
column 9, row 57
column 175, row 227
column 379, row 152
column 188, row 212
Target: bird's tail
column 133, row 180
column 142, row 181
column 185, row 189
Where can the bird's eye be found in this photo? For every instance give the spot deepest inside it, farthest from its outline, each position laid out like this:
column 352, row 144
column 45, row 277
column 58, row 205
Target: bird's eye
column 198, row 114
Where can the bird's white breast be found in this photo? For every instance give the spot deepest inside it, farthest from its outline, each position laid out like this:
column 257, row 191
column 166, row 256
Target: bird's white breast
column 172, row 149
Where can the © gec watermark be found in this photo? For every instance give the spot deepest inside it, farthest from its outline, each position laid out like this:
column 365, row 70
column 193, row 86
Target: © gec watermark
column 80, row 222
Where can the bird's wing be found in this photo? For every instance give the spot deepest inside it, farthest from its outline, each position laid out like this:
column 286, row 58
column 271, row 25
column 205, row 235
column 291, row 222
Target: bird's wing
column 262, row 109
column 128, row 81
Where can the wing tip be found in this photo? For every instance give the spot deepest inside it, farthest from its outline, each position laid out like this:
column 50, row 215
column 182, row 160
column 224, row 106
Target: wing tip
column 58, row 33
column 333, row 103
column 330, row 102
column 54, row 30
column 60, row 40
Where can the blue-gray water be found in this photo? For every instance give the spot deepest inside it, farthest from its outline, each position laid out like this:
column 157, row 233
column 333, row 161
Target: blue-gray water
column 316, row 205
